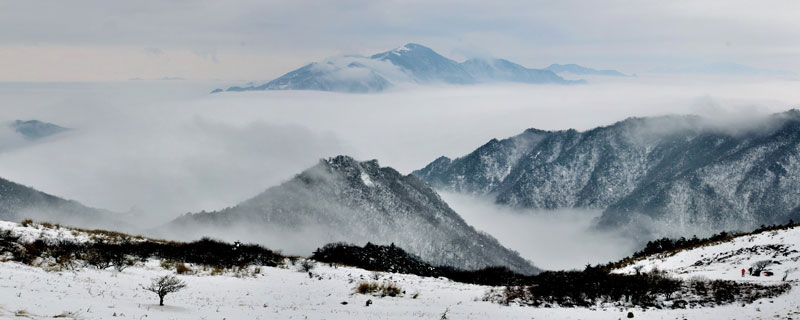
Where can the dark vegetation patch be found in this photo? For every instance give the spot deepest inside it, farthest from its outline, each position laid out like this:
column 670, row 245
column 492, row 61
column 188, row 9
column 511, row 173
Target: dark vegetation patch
column 394, row 259
column 594, row 284
column 102, row 254
column 588, row 287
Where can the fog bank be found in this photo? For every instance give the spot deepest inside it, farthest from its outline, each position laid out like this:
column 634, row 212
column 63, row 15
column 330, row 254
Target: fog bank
column 552, row 239
column 168, row 147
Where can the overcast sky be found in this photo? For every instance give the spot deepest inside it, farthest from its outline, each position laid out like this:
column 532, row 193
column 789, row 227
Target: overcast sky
column 259, row 40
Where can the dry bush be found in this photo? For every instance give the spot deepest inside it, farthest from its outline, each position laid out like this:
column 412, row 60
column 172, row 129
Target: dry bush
column 166, row 264
column 218, row 270
column 306, row 266
column 383, row 289
column 26, row 222
column 390, row 289
column 367, row 287
column 181, row 268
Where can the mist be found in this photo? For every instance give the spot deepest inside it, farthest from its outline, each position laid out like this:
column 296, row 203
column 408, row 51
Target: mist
column 158, row 149
column 561, row 239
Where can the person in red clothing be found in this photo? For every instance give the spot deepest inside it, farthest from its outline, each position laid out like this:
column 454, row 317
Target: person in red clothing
column 742, row 272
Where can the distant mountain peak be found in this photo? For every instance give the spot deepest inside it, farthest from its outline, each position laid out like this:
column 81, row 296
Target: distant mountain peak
column 411, row 62
column 408, row 47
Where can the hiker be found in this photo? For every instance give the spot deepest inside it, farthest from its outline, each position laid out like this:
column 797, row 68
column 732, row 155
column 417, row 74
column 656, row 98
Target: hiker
column 750, row 271
column 742, row 272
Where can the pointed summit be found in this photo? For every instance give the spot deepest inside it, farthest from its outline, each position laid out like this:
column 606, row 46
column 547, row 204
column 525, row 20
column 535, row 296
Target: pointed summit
column 342, row 199
column 426, row 65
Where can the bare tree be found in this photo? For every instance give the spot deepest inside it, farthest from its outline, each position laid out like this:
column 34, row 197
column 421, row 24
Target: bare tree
column 164, row 285
column 759, row 266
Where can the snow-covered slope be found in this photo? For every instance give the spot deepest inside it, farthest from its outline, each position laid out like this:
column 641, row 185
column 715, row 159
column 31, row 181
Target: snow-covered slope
column 725, row 260
column 342, row 199
column 29, row 292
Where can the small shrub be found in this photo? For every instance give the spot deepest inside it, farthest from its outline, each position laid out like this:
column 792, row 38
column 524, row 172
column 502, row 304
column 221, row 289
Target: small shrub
column 26, row 222
column 383, row 289
column 367, row 287
column 181, row 268
column 98, row 259
column 167, row 265
column 390, row 289
column 306, row 266
column 217, row 270
column 122, row 262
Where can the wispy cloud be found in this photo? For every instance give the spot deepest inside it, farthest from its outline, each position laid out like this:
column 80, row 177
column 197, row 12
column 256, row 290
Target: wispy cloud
column 630, row 36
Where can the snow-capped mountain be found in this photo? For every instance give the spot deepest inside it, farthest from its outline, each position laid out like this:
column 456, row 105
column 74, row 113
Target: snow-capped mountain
column 18, row 202
column 341, row 199
column 425, row 65
column 347, row 74
column 581, row 70
column 409, row 63
column 672, row 175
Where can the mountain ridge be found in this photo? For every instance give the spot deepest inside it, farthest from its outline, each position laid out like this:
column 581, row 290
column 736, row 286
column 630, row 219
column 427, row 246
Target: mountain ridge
column 412, row 62
column 581, row 70
column 341, row 199
column 18, row 202
column 670, row 173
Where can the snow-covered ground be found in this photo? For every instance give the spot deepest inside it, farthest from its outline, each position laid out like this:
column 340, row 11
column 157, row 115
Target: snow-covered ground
column 286, row 293
column 726, row 260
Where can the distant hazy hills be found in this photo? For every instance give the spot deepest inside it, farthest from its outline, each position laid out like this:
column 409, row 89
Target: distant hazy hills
column 581, row 70
column 35, row 129
column 724, row 68
column 409, row 63
column 671, row 174
column 341, row 199
column 18, row 202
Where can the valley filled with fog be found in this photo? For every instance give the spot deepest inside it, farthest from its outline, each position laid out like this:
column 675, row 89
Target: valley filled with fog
column 153, row 150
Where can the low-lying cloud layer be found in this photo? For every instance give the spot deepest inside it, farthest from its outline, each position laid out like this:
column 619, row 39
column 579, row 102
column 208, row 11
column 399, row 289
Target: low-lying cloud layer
column 167, row 148
column 551, row 239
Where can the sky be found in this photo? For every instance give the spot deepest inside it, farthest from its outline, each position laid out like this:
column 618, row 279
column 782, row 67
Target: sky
column 232, row 41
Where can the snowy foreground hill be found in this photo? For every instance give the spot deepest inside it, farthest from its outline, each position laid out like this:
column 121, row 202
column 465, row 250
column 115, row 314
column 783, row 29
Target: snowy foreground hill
column 780, row 249
column 284, row 292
